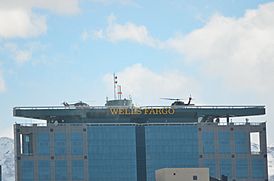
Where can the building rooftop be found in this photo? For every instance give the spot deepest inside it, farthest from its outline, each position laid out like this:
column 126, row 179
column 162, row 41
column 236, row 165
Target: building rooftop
column 132, row 114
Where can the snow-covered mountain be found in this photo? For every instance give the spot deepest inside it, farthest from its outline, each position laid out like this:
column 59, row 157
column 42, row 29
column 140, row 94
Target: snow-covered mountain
column 7, row 159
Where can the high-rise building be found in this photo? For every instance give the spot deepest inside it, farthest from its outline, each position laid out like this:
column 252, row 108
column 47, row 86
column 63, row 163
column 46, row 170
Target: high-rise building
column 121, row 142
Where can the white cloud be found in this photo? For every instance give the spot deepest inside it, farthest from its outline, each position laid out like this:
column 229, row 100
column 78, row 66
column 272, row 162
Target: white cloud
column 21, row 23
column 85, row 35
column 20, row 55
column 240, row 50
column 147, row 86
column 129, row 31
column 60, row 6
column 17, row 18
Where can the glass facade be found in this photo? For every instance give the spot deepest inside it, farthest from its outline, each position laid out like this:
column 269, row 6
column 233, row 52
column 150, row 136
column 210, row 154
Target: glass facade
column 258, row 168
column 60, row 170
column 208, row 142
column 224, row 141
column 77, row 170
column 112, row 153
column 211, row 164
column 133, row 152
column 60, row 143
column 44, row 173
column 43, row 143
column 76, row 143
column 171, row 147
column 241, row 142
column 226, row 167
column 241, row 168
column 27, row 170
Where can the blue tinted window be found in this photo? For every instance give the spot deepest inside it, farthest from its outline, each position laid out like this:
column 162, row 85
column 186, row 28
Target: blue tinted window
column 241, row 168
column 43, row 143
column 171, row 147
column 258, row 168
column 224, row 141
column 241, row 142
column 77, row 170
column 27, row 144
column 27, row 170
column 112, row 153
column 44, row 170
column 208, row 141
column 61, row 170
column 211, row 164
column 76, row 143
column 226, row 167
column 60, row 143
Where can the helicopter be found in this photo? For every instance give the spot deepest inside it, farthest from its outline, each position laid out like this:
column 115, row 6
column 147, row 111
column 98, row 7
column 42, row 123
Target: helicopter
column 179, row 102
column 77, row 104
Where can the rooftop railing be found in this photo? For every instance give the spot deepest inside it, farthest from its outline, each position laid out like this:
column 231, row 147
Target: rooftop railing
column 140, row 124
column 241, row 123
column 32, row 124
column 142, row 107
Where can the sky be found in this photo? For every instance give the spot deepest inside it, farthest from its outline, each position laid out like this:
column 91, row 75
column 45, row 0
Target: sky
column 219, row 51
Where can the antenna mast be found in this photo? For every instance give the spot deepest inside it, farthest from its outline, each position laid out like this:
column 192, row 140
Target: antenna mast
column 114, row 85
column 119, row 92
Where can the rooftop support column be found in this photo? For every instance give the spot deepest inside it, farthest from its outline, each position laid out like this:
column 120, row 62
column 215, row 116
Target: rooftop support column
column 227, row 120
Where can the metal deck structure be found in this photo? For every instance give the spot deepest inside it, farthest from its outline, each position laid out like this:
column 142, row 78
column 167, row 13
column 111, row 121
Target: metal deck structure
column 147, row 113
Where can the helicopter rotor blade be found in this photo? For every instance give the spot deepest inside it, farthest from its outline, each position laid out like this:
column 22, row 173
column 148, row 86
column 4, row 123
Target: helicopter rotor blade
column 172, row 99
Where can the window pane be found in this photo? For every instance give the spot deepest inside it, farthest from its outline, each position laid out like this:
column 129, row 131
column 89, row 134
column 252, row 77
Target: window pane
column 77, row 170
column 27, row 170
column 43, row 143
column 27, row 144
column 44, row 170
column 211, row 164
column 226, row 167
column 208, row 142
column 61, row 170
column 76, row 143
column 241, row 142
column 241, row 168
column 224, row 141
column 60, row 143
column 258, row 168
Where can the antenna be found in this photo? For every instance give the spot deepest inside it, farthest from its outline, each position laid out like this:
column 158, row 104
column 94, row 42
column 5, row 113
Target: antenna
column 114, row 85
column 119, row 92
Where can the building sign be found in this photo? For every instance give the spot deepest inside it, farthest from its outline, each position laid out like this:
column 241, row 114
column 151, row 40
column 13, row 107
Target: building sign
column 136, row 111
